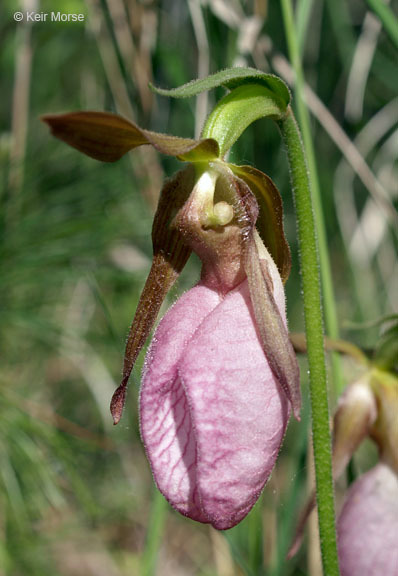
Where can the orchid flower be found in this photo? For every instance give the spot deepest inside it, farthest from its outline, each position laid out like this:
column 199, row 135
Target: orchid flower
column 220, row 376
column 367, row 527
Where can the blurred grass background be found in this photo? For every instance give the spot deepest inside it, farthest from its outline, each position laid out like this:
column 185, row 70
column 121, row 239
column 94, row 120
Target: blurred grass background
column 76, row 494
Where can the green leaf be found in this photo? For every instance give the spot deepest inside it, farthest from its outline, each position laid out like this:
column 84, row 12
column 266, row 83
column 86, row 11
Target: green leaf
column 238, row 109
column 230, row 78
column 270, row 218
column 108, row 137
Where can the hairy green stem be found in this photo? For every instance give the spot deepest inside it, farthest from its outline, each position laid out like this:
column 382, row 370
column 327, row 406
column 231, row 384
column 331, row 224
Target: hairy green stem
column 304, row 120
column 314, row 335
column 304, row 185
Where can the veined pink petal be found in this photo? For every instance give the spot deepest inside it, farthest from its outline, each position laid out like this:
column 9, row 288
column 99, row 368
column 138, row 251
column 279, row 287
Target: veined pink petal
column 368, row 525
column 165, row 419
column 212, row 415
column 238, row 410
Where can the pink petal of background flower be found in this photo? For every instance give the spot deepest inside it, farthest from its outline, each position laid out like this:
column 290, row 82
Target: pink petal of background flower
column 368, row 525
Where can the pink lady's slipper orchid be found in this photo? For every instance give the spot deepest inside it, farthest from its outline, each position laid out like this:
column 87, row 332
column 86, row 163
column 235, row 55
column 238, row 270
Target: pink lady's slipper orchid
column 213, row 414
column 367, row 527
column 220, row 375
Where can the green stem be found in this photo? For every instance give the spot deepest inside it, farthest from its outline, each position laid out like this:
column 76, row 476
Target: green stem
column 304, row 120
column 318, row 387
column 314, row 334
column 386, row 17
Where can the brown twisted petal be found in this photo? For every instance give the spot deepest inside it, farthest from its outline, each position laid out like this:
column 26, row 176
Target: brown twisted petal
column 270, row 218
column 170, row 255
column 273, row 332
column 272, row 329
column 107, row 137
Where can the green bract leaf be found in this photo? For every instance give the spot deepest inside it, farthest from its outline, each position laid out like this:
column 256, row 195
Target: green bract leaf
column 108, row 137
column 230, row 78
column 238, row 109
column 253, row 95
column 270, row 218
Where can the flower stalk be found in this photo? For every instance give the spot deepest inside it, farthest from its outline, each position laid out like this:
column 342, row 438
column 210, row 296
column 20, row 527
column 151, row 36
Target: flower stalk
column 330, row 309
column 315, row 345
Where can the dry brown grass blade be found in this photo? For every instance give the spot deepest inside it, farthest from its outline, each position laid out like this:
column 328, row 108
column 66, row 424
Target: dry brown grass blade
column 20, row 107
column 340, row 138
column 202, row 43
column 148, row 168
column 47, row 415
column 131, row 58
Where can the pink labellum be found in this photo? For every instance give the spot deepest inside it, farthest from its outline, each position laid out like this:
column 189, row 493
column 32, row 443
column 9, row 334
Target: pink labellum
column 212, row 414
column 368, row 525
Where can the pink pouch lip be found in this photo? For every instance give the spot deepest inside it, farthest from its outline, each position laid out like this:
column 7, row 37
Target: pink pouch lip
column 212, row 415
column 166, row 402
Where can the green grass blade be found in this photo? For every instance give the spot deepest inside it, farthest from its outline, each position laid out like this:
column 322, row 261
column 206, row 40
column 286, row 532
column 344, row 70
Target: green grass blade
column 386, row 17
column 154, row 534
